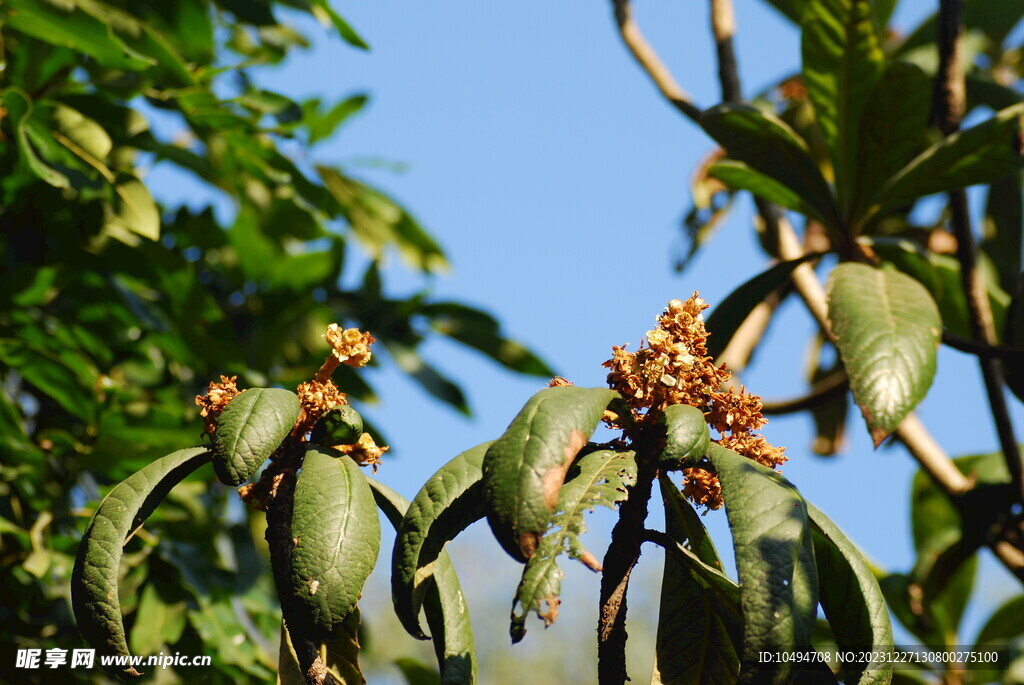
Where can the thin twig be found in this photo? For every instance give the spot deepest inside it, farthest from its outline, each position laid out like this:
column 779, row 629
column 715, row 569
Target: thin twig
column 829, row 387
column 650, row 62
column 980, row 349
column 723, row 26
column 947, row 111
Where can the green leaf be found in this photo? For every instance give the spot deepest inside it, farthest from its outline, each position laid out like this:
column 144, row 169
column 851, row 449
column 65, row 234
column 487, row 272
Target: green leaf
column 686, row 436
column 66, row 378
column 132, row 211
column 842, row 62
column 1001, row 232
column 599, row 478
column 447, row 504
column 336, row 534
column 887, row 329
column 525, row 468
column 739, row 176
column 19, row 110
column 481, row 331
column 774, row 557
column 791, row 9
column 323, row 126
column 893, row 130
column 446, row 610
column 249, row 429
column 730, row 314
column 1004, row 625
column 340, row 426
column 700, row 627
column 340, row 655
column 344, row 29
column 95, row 578
column 852, row 601
column 416, row 672
column 157, row 622
column 82, row 132
column 982, row 154
column 767, row 145
column 68, row 26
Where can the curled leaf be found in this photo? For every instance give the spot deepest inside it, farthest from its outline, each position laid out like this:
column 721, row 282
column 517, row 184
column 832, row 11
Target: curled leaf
column 249, row 429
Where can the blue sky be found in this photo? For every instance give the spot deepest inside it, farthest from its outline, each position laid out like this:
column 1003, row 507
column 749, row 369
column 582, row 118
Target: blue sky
column 555, row 177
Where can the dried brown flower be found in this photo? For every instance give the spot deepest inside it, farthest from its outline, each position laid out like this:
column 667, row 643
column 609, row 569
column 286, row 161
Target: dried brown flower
column 558, row 382
column 216, row 398
column 351, row 347
column 672, row 366
column 319, row 398
column 365, row 451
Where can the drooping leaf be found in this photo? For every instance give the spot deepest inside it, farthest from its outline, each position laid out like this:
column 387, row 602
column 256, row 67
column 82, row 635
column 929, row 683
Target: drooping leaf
column 525, row 467
column 336, row 534
column 893, row 130
column 19, row 108
column 599, row 478
column 323, row 125
column 852, row 601
column 842, row 62
column 686, row 436
column 446, row 505
column 249, row 429
column 767, row 145
column 340, row 655
column 132, row 212
column 981, row 154
column 739, row 176
column 700, row 627
column 887, row 329
column 481, row 331
column 1005, row 624
column 731, row 312
column 445, row 604
column 94, row 591
column 775, row 560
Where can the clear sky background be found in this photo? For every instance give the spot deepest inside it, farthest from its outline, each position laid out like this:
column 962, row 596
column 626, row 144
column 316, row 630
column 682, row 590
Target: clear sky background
column 555, row 177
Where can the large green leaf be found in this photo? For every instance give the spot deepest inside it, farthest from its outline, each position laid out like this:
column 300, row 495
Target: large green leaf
column 525, row 467
column 893, row 130
column 132, row 211
column 336, row 534
column 739, row 176
column 766, row 144
column 65, row 24
column 94, row 591
column 887, row 329
column 731, row 312
column 249, row 429
column 700, row 626
column 447, row 614
column 774, row 558
column 599, row 478
column 842, row 62
column 686, row 436
column 852, row 601
column 982, row 154
column 340, row 655
column 447, row 503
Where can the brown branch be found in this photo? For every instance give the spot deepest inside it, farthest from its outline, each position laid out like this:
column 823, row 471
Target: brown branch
column 723, row 26
column 650, row 62
column 969, row 346
column 622, row 555
column 947, row 111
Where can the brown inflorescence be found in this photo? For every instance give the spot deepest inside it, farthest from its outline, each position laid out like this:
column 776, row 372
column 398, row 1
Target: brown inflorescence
column 216, row 398
column 319, row 398
column 365, row 451
column 672, row 366
column 351, row 346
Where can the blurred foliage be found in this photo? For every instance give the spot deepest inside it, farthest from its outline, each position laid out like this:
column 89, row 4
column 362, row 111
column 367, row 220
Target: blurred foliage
column 116, row 311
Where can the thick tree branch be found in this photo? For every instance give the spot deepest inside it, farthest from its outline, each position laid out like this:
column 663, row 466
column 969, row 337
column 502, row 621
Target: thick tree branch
column 947, row 111
column 650, row 62
column 622, row 555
